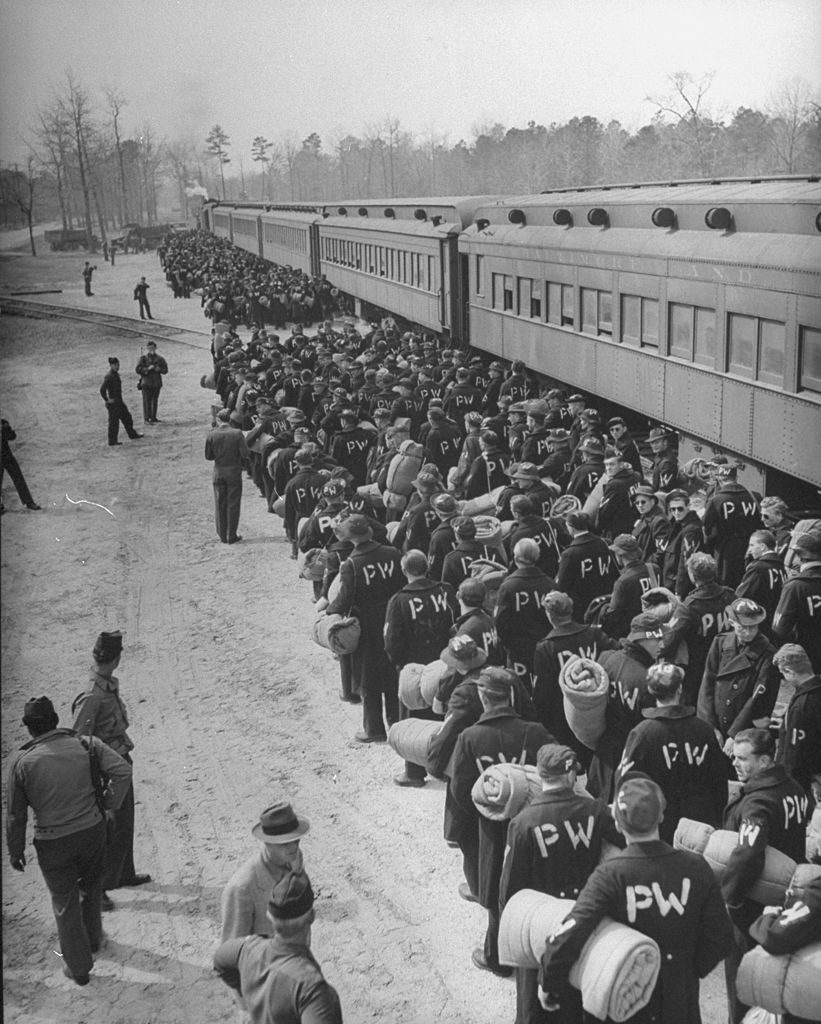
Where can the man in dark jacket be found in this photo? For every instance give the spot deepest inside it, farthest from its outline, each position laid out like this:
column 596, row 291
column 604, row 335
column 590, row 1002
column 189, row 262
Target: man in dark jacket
column 350, row 446
column 500, row 735
column 651, row 529
column 225, row 446
column 616, row 512
column 665, row 461
column 553, row 846
column 740, row 683
column 764, row 576
column 698, row 620
column 586, row 567
column 567, row 639
column 418, row 621
column 151, row 368
column 11, row 464
column 442, row 441
column 634, row 580
column 669, row 895
column 730, row 517
column 770, row 809
column 679, row 752
column 520, row 619
column 798, row 615
column 587, row 475
column 624, row 444
column 799, row 733
column 475, row 621
column 549, row 534
column 369, row 578
column 489, row 469
column 456, row 565
column 685, row 538
column 443, row 536
column 461, row 398
column 111, row 392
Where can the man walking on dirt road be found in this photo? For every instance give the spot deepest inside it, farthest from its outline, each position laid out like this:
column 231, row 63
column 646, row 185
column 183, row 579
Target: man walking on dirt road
column 88, row 270
column 141, row 295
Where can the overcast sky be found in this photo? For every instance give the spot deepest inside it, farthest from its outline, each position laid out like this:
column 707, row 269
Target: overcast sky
column 271, row 67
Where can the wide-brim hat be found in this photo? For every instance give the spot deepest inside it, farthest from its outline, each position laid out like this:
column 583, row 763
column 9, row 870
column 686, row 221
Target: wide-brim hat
column 463, row 654
column 526, row 471
column 745, row 612
column 280, row 824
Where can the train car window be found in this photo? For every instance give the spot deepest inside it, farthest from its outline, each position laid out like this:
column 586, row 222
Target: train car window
column 681, row 331
column 480, row 275
column 771, row 351
column 554, row 303
column 630, row 319
column 810, row 343
column 508, row 293
column 649, row 323
column 742, row 343
column 536, row 300
column 524, row 288
column 431, row 274
column 568, row 306
column 597, row 312
column 705, row 337
column 605, row 313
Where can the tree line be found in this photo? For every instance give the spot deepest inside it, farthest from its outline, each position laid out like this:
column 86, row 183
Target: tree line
column 87, row 171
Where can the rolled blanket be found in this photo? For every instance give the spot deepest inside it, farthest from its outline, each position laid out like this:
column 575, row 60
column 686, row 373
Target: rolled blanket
column 485, row 504
column 279, row 507
column 311, row 564
column 411, row 738
column 616, row 971
column 409, row 687
column 584, row 684
column 336, row 633
column 716, row 845
column 488, row 530
column 432, row 676
column 502, row 790
column 782, row 984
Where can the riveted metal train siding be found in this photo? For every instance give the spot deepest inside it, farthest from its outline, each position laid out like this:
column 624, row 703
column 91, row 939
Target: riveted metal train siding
column 568, row 299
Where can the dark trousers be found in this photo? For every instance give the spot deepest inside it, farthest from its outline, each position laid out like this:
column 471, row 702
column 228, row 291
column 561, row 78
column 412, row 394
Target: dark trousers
column 227, row 501
column 346, row 676
column 742, row 944
column 16, row 474
column 88, row 286
column 529, row 1009
column 145, row 309
column 72, row 867
column 151, row 397
column 119, row 858
column 118, row 413
column 377, row 680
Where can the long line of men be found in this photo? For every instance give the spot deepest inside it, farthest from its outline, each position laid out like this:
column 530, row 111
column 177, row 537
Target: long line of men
column 682, row 612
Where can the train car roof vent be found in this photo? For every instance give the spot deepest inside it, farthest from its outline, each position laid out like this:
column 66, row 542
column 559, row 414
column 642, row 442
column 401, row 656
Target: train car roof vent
column 390, row 212
column 598, row 217
column 343, row 211
column 437, row 220
column 664, row 217
column 562, row 217
column 517, row 217
column 482, row 223
column 420, row 214
column 363, row 211
column 719, row 218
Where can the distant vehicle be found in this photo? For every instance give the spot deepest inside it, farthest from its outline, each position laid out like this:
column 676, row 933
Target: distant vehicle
column 69, row 239
column 139, row 238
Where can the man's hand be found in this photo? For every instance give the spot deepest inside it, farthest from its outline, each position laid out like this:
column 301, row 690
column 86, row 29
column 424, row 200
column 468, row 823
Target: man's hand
column 728, row 746
column 549, row 1001
column 18, row 863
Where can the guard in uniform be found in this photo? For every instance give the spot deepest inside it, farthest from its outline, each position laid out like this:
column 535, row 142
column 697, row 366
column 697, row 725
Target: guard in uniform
column 100, row 712
column 111, row 392
column 669, row 895
column 151, row 369
column 553, row 846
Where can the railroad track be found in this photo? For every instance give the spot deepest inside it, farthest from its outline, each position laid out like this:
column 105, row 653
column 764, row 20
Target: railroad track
column 153, row 329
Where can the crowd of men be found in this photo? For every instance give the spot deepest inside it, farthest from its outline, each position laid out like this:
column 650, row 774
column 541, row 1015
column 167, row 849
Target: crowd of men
column 712, row 648
column 465, row 515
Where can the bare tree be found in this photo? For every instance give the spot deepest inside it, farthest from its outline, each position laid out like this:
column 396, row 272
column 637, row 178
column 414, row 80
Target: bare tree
column 687, row 105
column 792, row 110
column 116, row 101
column 18, row 189
column 52, row 132
column 217, row 141
column 76, row 107
column 180, row 158
column 290, row 149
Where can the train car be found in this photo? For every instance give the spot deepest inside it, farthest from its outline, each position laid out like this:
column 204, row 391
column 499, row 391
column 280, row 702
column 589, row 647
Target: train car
column 697, row 304
column 245, row 228
column 400, row 255
column 219, row 218
column 289, row 236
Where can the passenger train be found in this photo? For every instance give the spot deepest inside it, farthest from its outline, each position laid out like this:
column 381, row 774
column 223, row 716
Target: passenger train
column 696, row 304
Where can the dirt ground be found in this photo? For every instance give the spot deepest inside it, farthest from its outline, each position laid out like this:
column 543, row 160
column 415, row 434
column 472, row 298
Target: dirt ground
column 232, row 705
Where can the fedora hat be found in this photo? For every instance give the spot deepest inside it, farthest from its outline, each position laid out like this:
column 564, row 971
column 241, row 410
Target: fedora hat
column 527, row 471
column 279, row 824
column 463, row 654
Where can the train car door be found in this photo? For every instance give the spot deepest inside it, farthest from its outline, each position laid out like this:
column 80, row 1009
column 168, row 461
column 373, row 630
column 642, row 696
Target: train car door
column 461, row 300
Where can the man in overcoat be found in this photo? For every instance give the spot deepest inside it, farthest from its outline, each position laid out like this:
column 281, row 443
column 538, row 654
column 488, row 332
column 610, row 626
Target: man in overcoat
column 586, row 567
column 553, row 846
column 730, row 517
column 799, row 732
column 225, row 446
column 369, row 578
column 770, row 809
column 500, row 735
column 520, row 618
column 798, row 615
column 679, row 752
column 740, row 682
column 671, row 896
column 764, row 576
